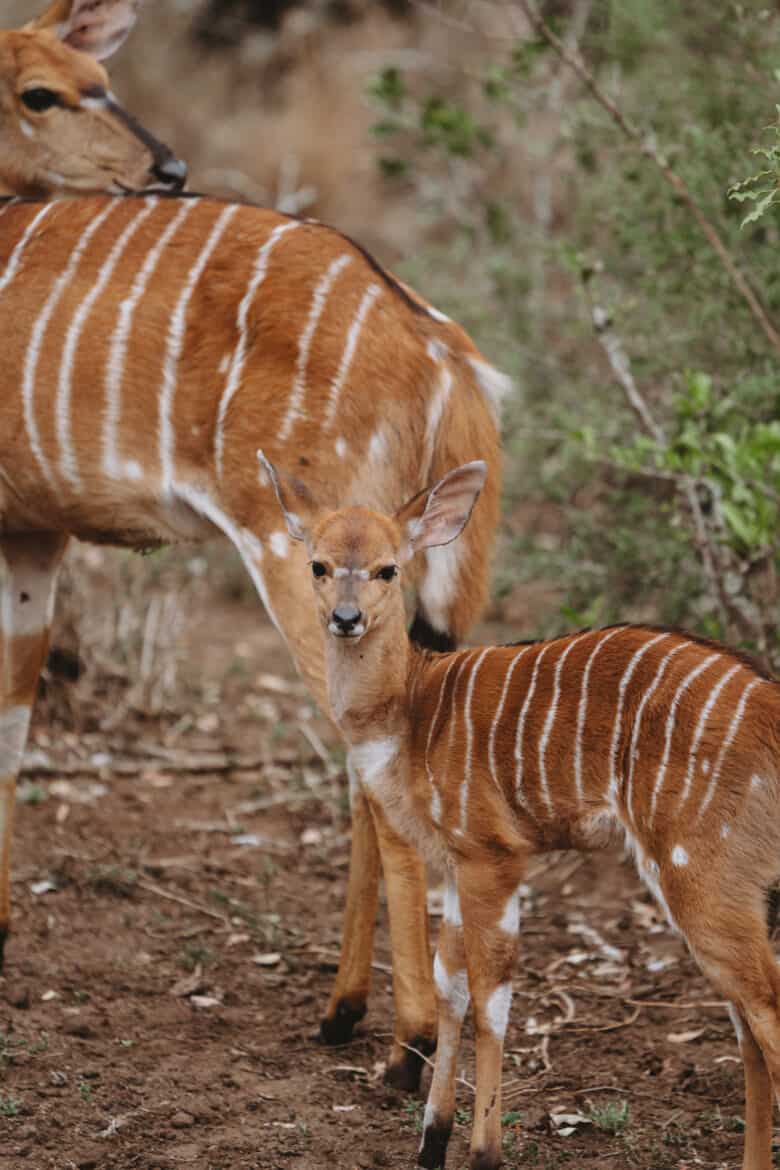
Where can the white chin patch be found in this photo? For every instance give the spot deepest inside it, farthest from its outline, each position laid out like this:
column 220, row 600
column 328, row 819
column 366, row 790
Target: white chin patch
column 357, row 632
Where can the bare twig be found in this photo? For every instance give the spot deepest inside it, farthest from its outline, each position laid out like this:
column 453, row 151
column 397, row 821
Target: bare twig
column 152, row 889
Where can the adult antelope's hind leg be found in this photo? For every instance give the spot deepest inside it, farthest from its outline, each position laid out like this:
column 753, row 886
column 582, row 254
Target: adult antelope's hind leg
column 28, row 572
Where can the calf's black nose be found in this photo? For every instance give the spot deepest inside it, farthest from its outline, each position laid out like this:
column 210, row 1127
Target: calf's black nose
column 171, row 171
column 346, row 617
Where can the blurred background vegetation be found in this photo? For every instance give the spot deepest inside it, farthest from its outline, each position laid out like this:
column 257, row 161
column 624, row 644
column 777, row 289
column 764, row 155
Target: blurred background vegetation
column 455, row 142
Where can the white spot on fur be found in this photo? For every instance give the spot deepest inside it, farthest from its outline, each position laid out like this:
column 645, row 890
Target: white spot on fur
column 223, row 365
column 436, row 350
column 280, row 544
column 26, row 128
column 438, row 315
column 497, row 1009
column 377, row 448
column 705, row 766
column 452, row 912
column 341, row 446
column 725, row 831
column 756, row 782
column 453, row 988
column 371, row 758
column 679, row 856
column 440, row 582
column 133, row 469
column 510, row 919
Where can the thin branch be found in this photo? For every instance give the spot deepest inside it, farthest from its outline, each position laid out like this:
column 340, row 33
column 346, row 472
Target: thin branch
column 647, row 148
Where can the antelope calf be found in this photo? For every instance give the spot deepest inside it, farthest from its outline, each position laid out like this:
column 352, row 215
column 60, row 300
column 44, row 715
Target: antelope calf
column 484, row 757
column 62, row 131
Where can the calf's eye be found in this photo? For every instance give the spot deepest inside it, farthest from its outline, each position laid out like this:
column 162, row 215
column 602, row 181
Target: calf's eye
column 318, row 569
column 39, row 99
column 387, row 573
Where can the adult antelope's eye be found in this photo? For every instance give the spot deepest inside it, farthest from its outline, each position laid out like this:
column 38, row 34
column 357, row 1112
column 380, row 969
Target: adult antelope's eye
column 387, row 573
column 40, row 99
column 318, row 569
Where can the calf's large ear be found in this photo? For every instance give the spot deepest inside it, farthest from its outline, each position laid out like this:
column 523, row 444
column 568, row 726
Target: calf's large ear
column 295, row 500
column 440, row 515
column 97, row 27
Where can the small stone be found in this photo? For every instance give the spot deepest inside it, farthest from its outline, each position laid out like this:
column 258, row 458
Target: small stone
column 58, row 1079
column 182, row 1120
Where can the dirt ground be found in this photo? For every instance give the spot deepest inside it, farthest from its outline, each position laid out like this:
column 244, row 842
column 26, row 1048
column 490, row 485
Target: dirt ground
column 178, row 889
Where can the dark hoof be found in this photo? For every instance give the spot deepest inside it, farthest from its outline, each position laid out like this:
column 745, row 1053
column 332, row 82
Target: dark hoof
column 433, row 1151
column 405, row 1073
column 338, row 1028
column 485, row 1160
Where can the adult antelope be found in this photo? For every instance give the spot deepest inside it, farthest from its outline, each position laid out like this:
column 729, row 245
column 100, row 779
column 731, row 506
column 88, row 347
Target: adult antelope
column 487, row 756
column 150, row 345
column 61, row 129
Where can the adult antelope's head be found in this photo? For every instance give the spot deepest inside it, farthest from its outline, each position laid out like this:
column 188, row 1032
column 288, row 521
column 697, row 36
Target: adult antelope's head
column 61, row 129
column 357, row 555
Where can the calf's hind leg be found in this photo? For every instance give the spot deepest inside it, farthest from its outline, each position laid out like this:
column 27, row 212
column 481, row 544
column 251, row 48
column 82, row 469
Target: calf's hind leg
column 28, row 573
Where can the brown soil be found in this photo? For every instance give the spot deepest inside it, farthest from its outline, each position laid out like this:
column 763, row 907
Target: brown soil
column 109, row 1060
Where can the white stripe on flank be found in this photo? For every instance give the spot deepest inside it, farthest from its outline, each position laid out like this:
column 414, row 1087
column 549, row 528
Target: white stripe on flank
column 736, row 719
column 16, row 256
column 436, row 408
column 464, row 787
column 632, row 751
column 452, row 714
column 552, row 710
column 690, row 677
column 39, row 332
column 318, row 302
column 499, row 713
column 68, row 464
column 174, row 345
column 625, row 680
column 239, row 355
column 337, row 385
column 582, row 709
column 428, row 770
column 702, row 723
column 521, row 724
column 117, row 353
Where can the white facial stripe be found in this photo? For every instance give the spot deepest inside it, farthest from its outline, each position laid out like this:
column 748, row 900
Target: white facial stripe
column 39, row 333
column 280, row 544
column 242, row 325
column 14, row 722
column 583, row 707
column 466, row 780
column 452, row 988
column 736, row 719
column 690, row 677
column 369, row 296
column 628, row 674
column 173, row 348
column 112, row 465
column 68, row 464
column 701, row 724
column 319, row 300
column 499, row 713
column 26, row 128
column 360, row 574
column 16, row 256
column 521, row 724
column 632, row 752
column 544, row 739
column 497, row 1009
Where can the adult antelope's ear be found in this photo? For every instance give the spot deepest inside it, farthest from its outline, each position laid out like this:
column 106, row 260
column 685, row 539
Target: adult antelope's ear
column 97, row 27
column 295, row 500
column 440, row 515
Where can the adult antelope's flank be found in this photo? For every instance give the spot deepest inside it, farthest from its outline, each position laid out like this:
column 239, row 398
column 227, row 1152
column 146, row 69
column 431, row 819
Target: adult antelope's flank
column 61, row 129
column 150, row 345
column 484, row 757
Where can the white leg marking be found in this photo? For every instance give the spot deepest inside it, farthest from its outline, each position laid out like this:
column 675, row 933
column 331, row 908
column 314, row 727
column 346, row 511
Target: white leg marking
column 510, row 919
column 690, row 677
column 582, row 710
column 16, row 256
column 632, row 751
column 318, row 302
column 239, row 356
column 454, row 988
column 452, row 913
column 625, row 680
column 701, row 724
column 499, row 713
column 497, row 1009
column 736, row 1023
column 679, row 856
column 68, row 464
column 521, row 724
column 337, row 385
column 466, row 779
column 14, row 723
column 39, row 332
column 544, row 739
column 736, row 719
column 112, row 465
column 173, row 348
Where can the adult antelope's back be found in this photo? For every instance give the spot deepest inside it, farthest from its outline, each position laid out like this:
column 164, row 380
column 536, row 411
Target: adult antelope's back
column 150, row 346
column 61, row 129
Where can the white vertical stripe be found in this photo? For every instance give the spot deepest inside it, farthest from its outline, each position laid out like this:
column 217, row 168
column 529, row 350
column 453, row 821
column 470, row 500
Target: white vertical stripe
column 465, row 781
column 436, row 408
column 702, row 723
column 239, row 356
column 39, row 332
column 16, row 256
column 318, row 302
column 119, row 341
column 732, row 731
column 582, row 708
column 174, row 345
column 632, row 751
column 68, row 464
column 432, row 728
column 690, row 677
column 499, row 713
column 544, row 787
column 521, row 723
column 353, row 336
column 625, row 680
column 452, row 714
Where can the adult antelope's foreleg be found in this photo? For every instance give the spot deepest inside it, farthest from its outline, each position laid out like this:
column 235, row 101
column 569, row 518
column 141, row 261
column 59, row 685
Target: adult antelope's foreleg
column 28, row 572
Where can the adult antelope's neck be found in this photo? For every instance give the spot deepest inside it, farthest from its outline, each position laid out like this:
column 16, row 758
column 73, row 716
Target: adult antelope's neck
column 368, row 681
